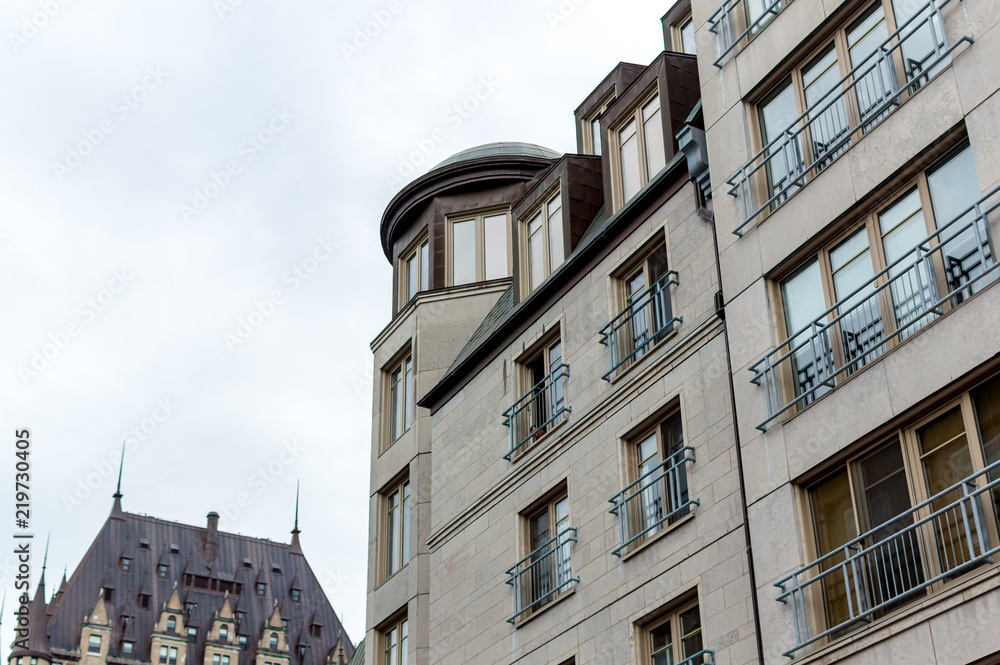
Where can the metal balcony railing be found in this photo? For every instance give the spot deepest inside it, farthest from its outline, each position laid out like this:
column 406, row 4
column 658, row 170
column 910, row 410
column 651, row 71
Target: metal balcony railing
column 656, row 498
column 539, row 409
column 704, row 657
column 930, row 544
column 727, row 20
column 869, row 93
column 540, row 576
column 958, row 259
column 647, row 319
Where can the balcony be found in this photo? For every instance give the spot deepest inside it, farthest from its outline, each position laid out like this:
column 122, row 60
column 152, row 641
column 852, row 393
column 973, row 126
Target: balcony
column 899, row 561
column 658, row 498
column 869, row 93
column 538, row 411
column 941, row 272
column 705, row 657
column 737, row 22
column 542, row 575
column 647, row 320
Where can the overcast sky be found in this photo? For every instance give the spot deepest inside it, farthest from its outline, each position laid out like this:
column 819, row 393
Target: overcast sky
column 190, row 194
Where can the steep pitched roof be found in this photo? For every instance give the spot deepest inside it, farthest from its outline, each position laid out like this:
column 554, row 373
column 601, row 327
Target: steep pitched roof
column 193, row 571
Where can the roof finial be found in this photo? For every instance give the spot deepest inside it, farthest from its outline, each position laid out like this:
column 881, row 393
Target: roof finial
column 3, row 604
column 121, row 465
column 295, row 547
column 45, row 559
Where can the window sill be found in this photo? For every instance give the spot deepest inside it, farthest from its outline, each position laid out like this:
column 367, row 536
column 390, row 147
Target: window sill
column 527, row 448
column 392, row 577
column 563, row 595
column 648, row 542
column 621, row 373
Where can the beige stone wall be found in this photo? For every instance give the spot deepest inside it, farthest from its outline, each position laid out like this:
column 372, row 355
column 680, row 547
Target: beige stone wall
column 965, row 95
column 478, row 496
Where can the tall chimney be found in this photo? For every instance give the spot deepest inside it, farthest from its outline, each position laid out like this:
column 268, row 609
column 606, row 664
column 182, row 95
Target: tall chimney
column 212, row 537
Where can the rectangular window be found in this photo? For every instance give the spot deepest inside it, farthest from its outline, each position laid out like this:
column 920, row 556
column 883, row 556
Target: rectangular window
column 216, row 659
column 397, row 528
column 842, row 90
column 478, row 247
column 660, row 493
column 645, row 310
column 261, row 588
column 127, row 649
column 192, row 633
column 394, row 644
column 94, row 644
column 592, row 126
column 401, row 398
column 316, row 630
column 162, row 570
column 641, row 151
column 163, row 654
column 911, row 498
column 544, row 247
column 548, row 570
column 879, row 283
column 126, row 564
column 173, row 656
column 674, row 638
column 682, row 37
column 144, row 601
column 541, row 382
column 243, row 642
column 414, row 272
column 225, row 660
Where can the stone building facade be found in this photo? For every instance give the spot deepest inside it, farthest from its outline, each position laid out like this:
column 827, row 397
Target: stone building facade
column 667, row 399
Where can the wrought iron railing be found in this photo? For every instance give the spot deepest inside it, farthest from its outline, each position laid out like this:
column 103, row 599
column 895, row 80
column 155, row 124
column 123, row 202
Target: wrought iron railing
column 704, row 657
column 540, row 576
column 538, row 410
column 871, row 91
column 727, row 20
column 888, row 308
column 932, row 543
column 647, row 319
column 657, row 497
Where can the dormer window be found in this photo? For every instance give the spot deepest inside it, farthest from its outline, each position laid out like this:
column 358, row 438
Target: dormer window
column 239, row 616
column 316, row 630
column 302, row 651
column 189, row 607
column 94, row 644
column 144, row 601
column 127, row 648
column 162, row 570
column 171, row 625
column 592, row 126
column 223, row 633
column 274, row 642
column 284, row 624
column 243, row 642
column 125, row 564
column 108, row 593
column 544, row 240
column 415, row 271
column 261, row 588
column 192, row 634
column 296, row 595
column 640, row 150
column 682, row 35
column 478, row 247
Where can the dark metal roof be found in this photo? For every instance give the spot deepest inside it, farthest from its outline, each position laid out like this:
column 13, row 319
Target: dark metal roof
column 499, row 149
column 188, row 549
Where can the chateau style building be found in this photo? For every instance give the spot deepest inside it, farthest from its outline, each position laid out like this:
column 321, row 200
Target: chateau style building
column 722, row 386
column 149, row 591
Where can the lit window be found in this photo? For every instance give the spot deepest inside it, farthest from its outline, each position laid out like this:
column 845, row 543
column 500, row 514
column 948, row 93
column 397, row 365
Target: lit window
column 394, row 644
column 397, row 528
column 545, row 240
column 415, row 272
column 401, row 397
column 641, row 150
column 676, row 637
column 478, row 248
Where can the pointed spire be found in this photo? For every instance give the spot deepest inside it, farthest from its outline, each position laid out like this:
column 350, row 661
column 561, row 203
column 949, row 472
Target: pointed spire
column 296, row 548
column 116, row 509
column 45, row 562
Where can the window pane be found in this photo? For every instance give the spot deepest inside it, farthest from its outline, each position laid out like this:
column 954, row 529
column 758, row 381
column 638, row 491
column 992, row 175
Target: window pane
column 395, row 406
column 652, row 130
column 405, row 536
column 954, row 188
column 861, row 327
column 833, row 521
column 408, row 393
column 876, row 76
column 556, row 242
column 425, row 267
column 827, row 129
column 536, row 252
column 404, row 638
column 918, row 47
column 495, row 233
column 463, row 236
column 912, row 287
column 690, row 632
column 785, row 156
column 595, row 135
column 660, row 641
column 756, row 10
column 802, row 295
column 687, row 37
column 391, row 531
column 629, row 160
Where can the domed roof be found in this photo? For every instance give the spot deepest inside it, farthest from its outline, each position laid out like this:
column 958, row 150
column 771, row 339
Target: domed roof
column 498, row 149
